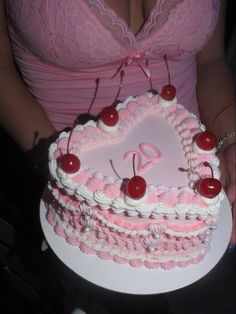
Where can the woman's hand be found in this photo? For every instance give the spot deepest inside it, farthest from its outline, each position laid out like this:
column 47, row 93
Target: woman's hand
column 228, row 165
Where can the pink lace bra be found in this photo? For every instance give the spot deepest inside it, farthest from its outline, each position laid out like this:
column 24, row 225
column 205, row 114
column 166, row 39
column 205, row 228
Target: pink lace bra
column 62, row 46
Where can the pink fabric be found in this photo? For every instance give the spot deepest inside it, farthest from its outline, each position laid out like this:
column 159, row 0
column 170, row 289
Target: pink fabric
column 62, row 46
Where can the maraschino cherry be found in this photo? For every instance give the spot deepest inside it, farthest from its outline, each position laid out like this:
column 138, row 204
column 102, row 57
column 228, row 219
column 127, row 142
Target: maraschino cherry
column 69, row 162
column 206, row 140
column 136, row 186
column 109, row 116
column 168, row 91
column 209, row 187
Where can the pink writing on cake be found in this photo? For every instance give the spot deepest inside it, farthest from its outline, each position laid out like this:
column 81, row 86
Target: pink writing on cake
column 147, row 156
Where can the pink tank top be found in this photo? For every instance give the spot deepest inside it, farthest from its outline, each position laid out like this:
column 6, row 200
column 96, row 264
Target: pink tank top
column 61, row 47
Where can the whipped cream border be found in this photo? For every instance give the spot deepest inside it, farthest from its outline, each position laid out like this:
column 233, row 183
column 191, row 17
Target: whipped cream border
column 131, row 111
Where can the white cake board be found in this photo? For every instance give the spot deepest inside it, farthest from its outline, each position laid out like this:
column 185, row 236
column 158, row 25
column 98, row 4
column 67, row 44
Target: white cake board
column 126, row 279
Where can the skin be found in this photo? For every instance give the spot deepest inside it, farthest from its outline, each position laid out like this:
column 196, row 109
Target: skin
column 215, row 89
column 21, row 116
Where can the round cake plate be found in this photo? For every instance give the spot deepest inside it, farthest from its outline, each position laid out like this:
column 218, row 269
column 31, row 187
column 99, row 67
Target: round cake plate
column 126, row 279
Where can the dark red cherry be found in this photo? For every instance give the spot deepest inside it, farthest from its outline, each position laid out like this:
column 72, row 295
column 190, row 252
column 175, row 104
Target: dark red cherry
column 209, row 187
column 168, row 92
column 109, row 116
column 136, row 187
column 206, row 140
column 69, row 163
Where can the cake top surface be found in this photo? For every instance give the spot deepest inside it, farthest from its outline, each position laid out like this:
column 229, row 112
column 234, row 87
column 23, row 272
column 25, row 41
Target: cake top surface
column 160, row 135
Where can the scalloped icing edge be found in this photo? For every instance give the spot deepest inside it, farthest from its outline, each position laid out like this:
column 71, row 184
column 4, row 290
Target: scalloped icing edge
column 133, row 110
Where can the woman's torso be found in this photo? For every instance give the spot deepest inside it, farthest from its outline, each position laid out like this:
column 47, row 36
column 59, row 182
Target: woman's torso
column 63, row 46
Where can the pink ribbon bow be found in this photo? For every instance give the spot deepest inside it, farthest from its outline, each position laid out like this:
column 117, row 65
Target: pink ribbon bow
column 140, row 59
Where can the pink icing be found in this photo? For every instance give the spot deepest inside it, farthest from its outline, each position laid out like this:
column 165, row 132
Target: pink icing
column 124, row 114
column 59, row 230
column 50, row 217
column 111, row 191
column 132, row 106
column 86, row 248
column 72, row 240
column 104, row 255
column 95, row 184
column 82, row 176
column 152, row 265
column 120, row 260
column 152, row 197
column 143, row 99
column 145, row 160
column 106, row 138
column 135, row 262
column 115, row 231
column 198, row 201
column 168, row 265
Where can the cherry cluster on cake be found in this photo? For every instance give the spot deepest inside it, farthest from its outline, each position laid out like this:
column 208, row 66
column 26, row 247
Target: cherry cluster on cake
column 108, row 120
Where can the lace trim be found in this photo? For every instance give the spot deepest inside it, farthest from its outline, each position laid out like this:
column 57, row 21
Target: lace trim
column 110, row 20
column 118, row 26
column 157, row 18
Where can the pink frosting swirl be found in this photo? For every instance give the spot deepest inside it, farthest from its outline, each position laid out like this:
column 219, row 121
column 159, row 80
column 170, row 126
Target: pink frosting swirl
column 95, row 183
column 111, row 191
column 81, row 177
column 135, row 262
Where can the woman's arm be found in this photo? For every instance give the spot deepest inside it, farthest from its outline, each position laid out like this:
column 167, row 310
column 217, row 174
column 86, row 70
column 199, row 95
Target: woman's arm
column 215, row 89
column 215, row 83
column 20, row 114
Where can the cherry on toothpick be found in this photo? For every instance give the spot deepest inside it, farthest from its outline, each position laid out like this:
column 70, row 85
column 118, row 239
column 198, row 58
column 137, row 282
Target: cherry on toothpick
column 109, row 116
column 206, row 140
column 136, row 186
column 209, row 187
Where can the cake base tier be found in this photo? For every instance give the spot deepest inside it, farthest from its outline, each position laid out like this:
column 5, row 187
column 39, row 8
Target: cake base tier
column 124, row 278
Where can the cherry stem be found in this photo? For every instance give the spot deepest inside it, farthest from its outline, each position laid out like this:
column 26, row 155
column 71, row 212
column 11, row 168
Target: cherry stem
column 150, row 83
column 150, row 77
column 69, row 138
column 167, row 67
column 36, row 135
column 97, row 81
column 134, row 165
column 122, row 73
column 206, row 164
column 226, row 106
column 183, row 170
column 113, row 168
column 187, row 170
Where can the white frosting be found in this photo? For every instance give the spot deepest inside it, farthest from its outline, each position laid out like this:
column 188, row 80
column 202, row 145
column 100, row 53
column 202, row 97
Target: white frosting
column 154, row 256
column 166, row 103
column 98, row 185
column 107, row 128
column 199, row 150
column 122, row 202
column 132, row 202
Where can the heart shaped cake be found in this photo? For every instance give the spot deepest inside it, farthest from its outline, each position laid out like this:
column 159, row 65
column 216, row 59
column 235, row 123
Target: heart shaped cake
column 138, row 186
